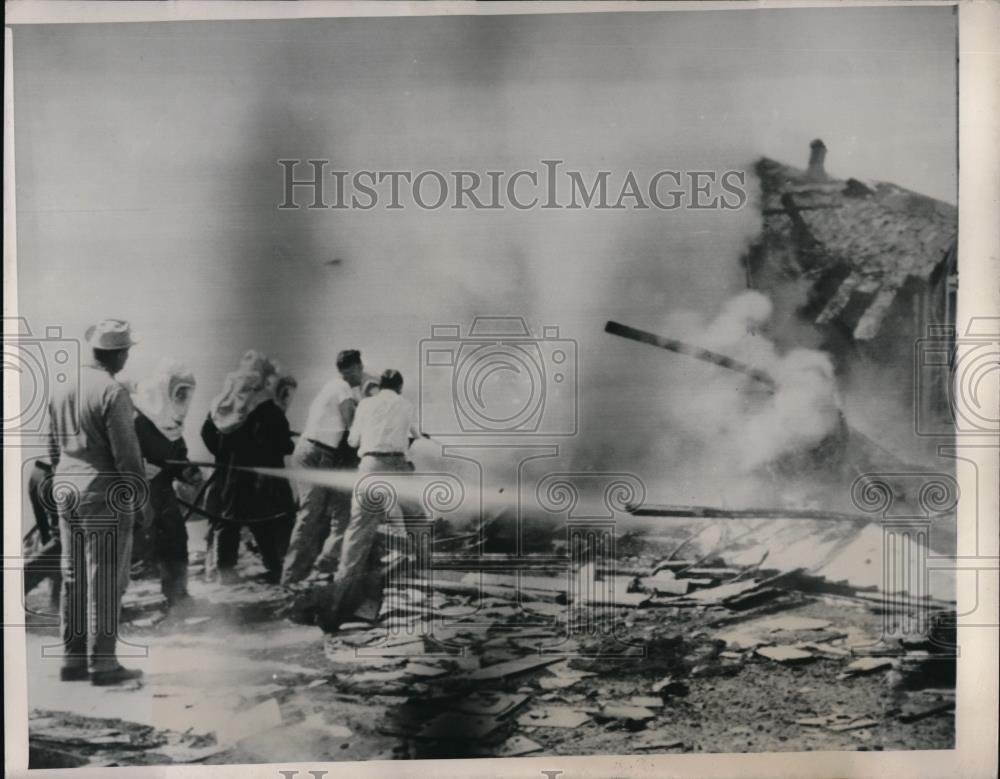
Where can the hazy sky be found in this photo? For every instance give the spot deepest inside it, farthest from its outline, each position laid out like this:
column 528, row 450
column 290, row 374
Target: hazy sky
column 147, row 181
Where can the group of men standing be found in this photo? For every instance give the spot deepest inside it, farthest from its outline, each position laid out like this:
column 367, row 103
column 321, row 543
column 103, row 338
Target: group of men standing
column 357, row 422
column 116, row 455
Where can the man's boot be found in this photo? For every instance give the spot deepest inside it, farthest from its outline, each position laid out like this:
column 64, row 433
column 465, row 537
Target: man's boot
column 118, row 675
column 173, row 583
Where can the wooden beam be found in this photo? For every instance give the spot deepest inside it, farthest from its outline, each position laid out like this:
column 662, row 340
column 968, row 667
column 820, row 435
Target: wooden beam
column 710, row 512
column 673, row 345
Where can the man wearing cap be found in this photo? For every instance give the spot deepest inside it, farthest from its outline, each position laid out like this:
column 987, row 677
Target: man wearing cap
column 323, row 512
column 382, row 431
column 101, row 491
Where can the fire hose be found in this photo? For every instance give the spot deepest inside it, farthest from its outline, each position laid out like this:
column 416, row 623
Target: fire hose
column 194, row 508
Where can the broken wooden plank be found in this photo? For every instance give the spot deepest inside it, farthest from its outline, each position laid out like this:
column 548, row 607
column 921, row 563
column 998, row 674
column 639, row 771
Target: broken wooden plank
column 752, row 598
column 509, row 668
column 479, row 590
column 712, row 594
column 515, row 594
column 519, row 581
column 870, row 322
column 916, row 714
column 646, row 701
column 553, row 717
column 711, row 572
column 655, row 741
column 690, row 350
column 824, row 649
column 664, row 583
column 839, row 300
column 791, row 622
column 494, row 704
column 712, row 512
column 855, row 725
column 626, row 712
column 866, row 665
column 618, row 598
column 426, row 671
column 81, row 737
column 787, row 655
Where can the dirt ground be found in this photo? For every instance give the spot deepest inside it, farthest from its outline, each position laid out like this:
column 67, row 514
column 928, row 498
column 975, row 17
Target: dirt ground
column 234, row 681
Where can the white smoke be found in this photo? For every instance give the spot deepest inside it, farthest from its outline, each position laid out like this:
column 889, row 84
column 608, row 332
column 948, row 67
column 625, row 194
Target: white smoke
column 737, row 426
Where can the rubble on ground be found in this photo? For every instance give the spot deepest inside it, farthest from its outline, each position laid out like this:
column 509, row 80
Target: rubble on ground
column 689, row 661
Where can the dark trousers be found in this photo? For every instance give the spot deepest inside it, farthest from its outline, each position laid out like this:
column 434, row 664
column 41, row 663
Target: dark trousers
column 270, row 536
column 143, row 551
column 45, row 562
column 170, row 543
column 43, row 551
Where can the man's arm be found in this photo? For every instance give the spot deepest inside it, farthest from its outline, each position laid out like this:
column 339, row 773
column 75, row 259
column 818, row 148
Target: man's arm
column 414, row 433
column 348, row 408
column 354, row 436
column 120, row 421
column 53, row 442
column 284, row 433
column 210, row 435
column 189, row 474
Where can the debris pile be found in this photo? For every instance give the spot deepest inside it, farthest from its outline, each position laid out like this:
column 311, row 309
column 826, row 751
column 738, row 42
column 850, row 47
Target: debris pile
column 690, row 655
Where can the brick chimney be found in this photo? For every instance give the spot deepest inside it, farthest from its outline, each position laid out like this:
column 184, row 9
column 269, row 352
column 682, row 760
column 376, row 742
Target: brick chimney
column 817, row 155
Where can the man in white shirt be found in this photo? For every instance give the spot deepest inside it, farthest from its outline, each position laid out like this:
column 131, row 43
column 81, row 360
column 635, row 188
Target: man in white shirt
column 323, row 512
column 383, row 426
column 382, row 431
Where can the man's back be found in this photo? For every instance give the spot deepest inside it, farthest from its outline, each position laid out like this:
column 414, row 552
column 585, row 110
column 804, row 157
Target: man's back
column 91, row 428
column 384, row 423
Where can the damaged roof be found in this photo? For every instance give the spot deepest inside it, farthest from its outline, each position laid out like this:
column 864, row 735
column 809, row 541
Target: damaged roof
column 860, row 242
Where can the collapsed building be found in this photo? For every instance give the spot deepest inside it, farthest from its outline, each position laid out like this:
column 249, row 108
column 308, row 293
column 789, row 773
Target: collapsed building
column 871, row 268
column 865, row 272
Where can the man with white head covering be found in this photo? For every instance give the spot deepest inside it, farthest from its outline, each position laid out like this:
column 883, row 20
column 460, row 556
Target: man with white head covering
column 285, row 387
column 162, row 401
column 100, row 488
column 245, row 429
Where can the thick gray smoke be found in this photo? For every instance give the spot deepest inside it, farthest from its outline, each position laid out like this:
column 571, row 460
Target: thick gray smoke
column 763, row 426
column 724, row 429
